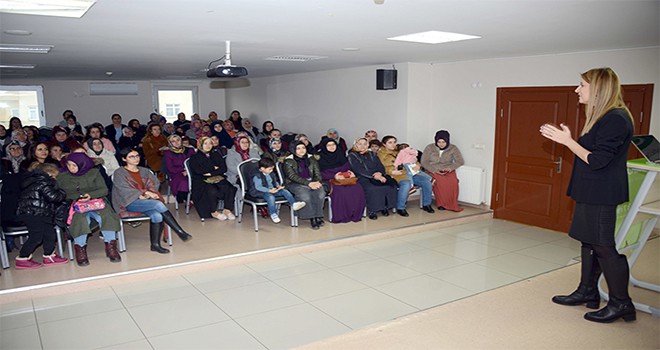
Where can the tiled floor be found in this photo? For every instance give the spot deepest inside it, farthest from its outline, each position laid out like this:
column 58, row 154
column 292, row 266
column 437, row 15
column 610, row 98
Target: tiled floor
column 293, row 300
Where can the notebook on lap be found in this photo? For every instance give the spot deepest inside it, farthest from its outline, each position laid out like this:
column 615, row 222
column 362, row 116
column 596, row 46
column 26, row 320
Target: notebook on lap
column 649, row 147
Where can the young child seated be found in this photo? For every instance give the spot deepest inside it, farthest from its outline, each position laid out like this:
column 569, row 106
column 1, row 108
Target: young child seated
column 265, row 185
column 375, row 145
column 37, row 205
column 407, row 159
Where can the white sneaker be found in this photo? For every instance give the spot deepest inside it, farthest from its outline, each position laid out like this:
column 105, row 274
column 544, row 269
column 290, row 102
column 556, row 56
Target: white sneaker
column 275, row 218
column 221, row 216
column 298, row 205
column 230, row 215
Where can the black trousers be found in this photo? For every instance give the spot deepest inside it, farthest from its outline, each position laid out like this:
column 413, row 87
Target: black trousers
column 41, row 230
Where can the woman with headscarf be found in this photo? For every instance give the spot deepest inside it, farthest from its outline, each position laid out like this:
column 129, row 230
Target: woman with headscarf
column 138, row 129
column 96, row 150
column 129, row 139
column 266, row 128
column 174, row 157
column 250, row 129
column 228, row 125
column 12, row 175
column 235, row 117
column 154, row 145
column 195, row 130
column 302, row 176
column 217, row 130
column 348, row 199
column 276, row 152
column 237, row 154
column 97, row 131
column 209, row 183
column 380, row 189
column 168, row 129
column 310, row 148
column 333, row 134
column 135, row 189
column 441, row 159
column 82, row 182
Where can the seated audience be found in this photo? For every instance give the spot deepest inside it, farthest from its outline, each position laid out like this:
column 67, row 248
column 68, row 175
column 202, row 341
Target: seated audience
column 73, row 128
column 375, row 145
column 169, row 129
column 196, row 131
column 235, row 117
column 347, row 195
column 274, row 134
column 65, row 116
column 135, row 190
column 97, row 131
column 129, row 139
column 237, row 154
column 180, row 120
column 304, row 139
column 38, row 153
column 441, row 159
column 19, row 136
column 334, row 135
column 380, row 189
column 175, row 156
column 139, row 129
column 251, row 130
column 228, row 125
column 154, row 145
column 61, row 137
column 15, row 123
column 371, row 135
column 209, row 183
column 213, row 117
column 5, row 137
column 40, row 196
column 114, row 131
column 266, row 128
column 218, row 131
column 276, row 152
column 303, row 178
column 265, row 185
column 96, row 150
column 82, row 183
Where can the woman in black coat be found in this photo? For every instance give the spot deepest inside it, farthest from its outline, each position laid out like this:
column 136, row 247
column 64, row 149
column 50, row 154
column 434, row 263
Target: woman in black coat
column 207, row 170
column 599, row 183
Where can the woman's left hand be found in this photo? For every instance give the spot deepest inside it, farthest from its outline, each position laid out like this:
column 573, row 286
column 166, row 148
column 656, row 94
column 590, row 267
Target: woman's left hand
column 315, row 185
column 560, row 135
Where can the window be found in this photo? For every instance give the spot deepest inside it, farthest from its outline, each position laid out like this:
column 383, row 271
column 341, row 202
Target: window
column 24, row 102
column 171, row 100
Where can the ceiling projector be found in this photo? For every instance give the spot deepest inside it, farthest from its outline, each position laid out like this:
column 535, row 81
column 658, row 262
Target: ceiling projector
column 227, row 72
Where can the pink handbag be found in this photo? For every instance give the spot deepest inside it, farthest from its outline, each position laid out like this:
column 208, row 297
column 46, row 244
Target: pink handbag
column 83, row 207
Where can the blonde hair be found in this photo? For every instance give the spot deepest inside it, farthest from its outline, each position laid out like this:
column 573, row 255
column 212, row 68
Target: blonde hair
column 605, row 95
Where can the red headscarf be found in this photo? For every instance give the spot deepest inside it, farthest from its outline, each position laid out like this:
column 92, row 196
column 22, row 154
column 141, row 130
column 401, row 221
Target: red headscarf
column 245, row 154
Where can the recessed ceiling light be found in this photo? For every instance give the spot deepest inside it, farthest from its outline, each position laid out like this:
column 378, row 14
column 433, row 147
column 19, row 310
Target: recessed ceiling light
column 56, row 8
column 17, row 66
column 25, row 48
column 294, row 58
column 433, row 37
column 17, row 32
column 351, row 49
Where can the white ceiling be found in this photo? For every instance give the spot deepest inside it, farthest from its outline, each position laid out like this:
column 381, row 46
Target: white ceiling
column 176, row 39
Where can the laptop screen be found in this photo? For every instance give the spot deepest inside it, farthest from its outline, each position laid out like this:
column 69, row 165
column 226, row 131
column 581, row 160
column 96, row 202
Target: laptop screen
column 649, row 146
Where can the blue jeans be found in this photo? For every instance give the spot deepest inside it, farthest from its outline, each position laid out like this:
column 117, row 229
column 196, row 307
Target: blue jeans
column 423, row 180
column 270, row 199
column 107, row 235
column 150, row 207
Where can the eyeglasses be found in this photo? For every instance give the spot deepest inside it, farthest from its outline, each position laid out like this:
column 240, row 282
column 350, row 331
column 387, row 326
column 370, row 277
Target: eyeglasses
column 134, row 156
column 14, row 148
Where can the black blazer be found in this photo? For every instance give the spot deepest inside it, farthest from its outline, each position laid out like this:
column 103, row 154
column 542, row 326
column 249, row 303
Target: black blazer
column 111, row 133
column 605, row 179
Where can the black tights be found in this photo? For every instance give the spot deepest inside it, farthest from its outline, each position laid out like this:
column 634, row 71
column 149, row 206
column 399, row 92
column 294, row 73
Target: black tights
column 602, row 251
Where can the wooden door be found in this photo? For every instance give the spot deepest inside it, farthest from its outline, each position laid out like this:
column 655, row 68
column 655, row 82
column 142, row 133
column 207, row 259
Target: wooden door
column 528, row 184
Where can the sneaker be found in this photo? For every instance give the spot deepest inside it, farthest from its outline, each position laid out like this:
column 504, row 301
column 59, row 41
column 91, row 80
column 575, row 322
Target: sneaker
column 27, row 263
column 54, row 259
column 298, row 205
column 220, row 216
column 275, row 218
column 229, row 215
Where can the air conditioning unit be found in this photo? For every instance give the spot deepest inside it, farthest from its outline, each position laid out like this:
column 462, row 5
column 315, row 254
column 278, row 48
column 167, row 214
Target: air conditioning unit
column 104, row 89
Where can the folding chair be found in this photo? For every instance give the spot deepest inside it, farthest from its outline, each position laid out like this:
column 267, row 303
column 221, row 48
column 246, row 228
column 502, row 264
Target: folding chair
column 129, row 216
column 327, row 198
column 245, row 170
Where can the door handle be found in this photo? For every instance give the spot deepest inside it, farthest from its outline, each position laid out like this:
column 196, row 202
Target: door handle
column 558, row 165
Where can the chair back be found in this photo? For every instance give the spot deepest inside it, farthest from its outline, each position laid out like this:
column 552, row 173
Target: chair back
column 246, row 169
column 186, row 165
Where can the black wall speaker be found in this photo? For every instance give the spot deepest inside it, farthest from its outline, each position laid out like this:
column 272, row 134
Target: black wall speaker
column 385, row 79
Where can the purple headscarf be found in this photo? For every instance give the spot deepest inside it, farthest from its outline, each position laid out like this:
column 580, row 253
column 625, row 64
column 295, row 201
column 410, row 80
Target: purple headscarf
column 442, row 134
column 84, row 163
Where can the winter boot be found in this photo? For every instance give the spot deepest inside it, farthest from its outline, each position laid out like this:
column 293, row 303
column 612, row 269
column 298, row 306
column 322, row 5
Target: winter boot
column 155, row 230
column 174, row 225
column 617, row 275
column 111, row 251
column 587, row 291
column 81, row 255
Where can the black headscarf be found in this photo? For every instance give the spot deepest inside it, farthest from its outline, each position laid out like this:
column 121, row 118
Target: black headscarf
column 224, row 139
column 331, row 160
column 303, row 163
column 444, row 135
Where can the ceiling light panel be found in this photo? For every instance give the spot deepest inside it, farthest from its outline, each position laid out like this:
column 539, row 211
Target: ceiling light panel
column 433, row 37
column 25, row 48
column 56, row 8
column 17, row 66
column 294, row 58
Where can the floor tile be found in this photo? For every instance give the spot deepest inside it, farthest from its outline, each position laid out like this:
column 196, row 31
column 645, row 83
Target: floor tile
column 552, row 253
column 422, row 235
column 222, row 335
column 92, row 331
column 539, row 234
column 253, row 299
column 319, row 284
column 426, row 260
column 20, row 338
column 475, row 277
column 292, row 326
column 134, row 345
column 387, row 247
column 440, row 239
column 567, row 242
column 154, row 291
column 286, row 267
column 363, row 307
column 230, row 277
column 519, row 265
column 17, row 315
column 507, row 241
column 424, row 291
column 376, row 272
column 340, row 256
column 470, row 250
column 76, row 304
column 176, row 315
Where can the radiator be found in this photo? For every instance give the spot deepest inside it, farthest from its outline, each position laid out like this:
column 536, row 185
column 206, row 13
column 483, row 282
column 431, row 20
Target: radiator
column 472, row 185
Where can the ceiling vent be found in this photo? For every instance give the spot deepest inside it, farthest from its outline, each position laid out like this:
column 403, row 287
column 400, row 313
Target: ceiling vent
column 294, row 58
column 103, row 89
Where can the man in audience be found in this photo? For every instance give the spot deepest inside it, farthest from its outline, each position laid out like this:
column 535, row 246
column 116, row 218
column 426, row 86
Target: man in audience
column 114, row 131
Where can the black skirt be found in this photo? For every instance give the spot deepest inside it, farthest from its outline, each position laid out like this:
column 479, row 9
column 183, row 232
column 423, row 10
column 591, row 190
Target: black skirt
column 594, row 224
